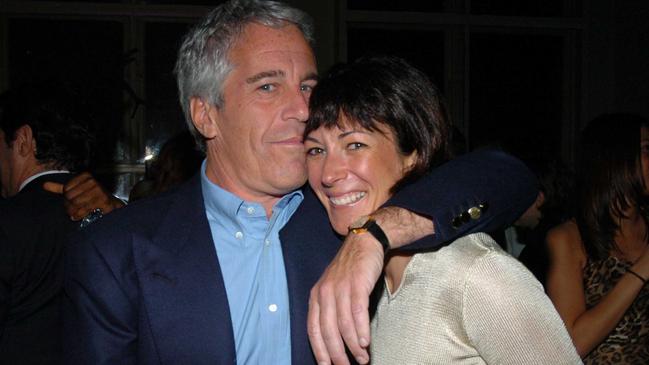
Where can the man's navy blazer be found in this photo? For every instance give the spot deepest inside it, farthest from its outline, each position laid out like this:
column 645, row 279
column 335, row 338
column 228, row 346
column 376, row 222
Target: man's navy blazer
column 144, row 286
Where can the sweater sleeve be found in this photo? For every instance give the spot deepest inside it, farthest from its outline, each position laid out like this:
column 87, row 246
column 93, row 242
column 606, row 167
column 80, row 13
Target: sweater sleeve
column 509, row 318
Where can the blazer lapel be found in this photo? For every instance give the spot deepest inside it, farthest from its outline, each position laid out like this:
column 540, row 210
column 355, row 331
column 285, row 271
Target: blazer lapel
column 182, row 285
column 308, row 245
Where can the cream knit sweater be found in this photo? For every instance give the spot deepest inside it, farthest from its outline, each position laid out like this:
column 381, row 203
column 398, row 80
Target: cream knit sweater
column 469, row 303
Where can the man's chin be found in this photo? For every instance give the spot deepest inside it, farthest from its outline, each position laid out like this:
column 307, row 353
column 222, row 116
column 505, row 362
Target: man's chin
column 288, row 184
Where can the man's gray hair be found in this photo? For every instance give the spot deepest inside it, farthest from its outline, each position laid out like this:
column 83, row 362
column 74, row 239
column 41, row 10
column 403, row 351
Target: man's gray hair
column 203, row 64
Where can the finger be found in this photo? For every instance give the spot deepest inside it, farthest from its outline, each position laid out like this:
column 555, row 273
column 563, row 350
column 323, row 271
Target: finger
column 361, row 315
column 71, row 188
column 80, row 188
column 78, row 212
column 361, row 287
column 313, row 329
column 329, row 326
column 81, row 178
column 80, row 197
column 53, row 187
column 347, row 328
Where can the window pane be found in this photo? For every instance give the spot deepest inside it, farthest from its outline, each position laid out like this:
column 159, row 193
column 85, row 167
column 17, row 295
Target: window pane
column 533, row 8
column 403, row 5
column 170, row 2
column 211, row 3
column 164, row 116
column 85, row 53
column 423, row 49
column 515, row 94
column 87, row 1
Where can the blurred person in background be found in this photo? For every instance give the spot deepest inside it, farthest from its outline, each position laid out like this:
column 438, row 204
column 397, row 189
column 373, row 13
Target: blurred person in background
column 178, row 160
column 599, row 262
column 43, row 137
column 552, row 207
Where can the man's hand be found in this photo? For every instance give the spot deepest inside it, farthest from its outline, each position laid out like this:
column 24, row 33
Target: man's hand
column 83, row 194
column 339, row 301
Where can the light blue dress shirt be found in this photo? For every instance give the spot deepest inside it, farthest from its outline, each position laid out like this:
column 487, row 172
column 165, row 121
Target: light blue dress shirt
column 250, row 256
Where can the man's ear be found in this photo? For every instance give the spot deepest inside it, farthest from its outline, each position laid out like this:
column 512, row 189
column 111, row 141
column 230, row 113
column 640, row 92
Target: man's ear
column 24, row 144
column 204, row 116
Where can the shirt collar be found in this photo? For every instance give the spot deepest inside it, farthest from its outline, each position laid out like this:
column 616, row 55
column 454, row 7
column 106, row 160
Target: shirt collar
column 224, row 203
column 34, row 177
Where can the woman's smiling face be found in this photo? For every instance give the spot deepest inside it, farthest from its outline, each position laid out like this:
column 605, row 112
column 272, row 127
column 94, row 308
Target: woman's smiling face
column 353, row 169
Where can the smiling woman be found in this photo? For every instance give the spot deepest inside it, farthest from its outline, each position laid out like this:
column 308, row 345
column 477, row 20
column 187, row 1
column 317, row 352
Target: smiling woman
column 376, row 125
column 353, row 169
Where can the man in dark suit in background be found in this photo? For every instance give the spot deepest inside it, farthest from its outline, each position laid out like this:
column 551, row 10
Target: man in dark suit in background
column 39, row 140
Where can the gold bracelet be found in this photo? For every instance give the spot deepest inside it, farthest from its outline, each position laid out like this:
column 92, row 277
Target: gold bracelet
column 644, row 281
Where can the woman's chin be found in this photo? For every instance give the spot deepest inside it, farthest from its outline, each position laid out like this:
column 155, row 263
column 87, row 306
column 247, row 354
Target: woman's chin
column 340, row 221
column 340, row 226
column 341, row 229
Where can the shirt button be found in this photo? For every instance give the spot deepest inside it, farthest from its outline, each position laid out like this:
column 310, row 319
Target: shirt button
column 238, row 235
column 267, row 242
column 250, row 210
column 272, row 308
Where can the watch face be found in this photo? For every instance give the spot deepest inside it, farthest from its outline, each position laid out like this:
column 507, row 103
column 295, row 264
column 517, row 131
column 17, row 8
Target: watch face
column 359, row 222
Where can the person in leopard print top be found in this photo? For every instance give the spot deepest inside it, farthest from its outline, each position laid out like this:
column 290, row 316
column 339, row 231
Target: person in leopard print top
column 599, row 261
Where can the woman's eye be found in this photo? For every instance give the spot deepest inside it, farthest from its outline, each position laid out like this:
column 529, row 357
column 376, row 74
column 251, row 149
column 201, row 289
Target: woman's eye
column 314, row 151
column 356, row 145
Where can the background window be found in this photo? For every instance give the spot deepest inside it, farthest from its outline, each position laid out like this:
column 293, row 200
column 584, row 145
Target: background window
column 87, row 54
column 164, row 116
column 516, row 93
column 423, row 49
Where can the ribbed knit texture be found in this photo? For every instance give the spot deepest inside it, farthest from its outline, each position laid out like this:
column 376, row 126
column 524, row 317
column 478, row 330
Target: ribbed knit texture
column 469, row 303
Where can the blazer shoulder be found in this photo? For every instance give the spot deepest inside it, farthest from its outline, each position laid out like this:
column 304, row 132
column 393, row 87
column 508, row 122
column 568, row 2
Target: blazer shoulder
column 143, row 217
column 31, row 209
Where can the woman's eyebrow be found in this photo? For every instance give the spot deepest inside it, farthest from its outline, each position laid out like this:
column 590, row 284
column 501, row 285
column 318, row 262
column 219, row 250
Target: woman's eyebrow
column 353, row 131
column 311, row 77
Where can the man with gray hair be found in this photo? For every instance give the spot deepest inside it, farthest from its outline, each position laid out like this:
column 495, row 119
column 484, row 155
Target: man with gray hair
column 219, row 271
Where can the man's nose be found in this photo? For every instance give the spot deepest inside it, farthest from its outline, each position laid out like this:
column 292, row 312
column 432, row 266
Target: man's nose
column 297, row 107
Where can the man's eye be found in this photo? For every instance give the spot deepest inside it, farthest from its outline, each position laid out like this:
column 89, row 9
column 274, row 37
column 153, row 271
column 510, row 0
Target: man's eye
column 314, row 151
column 267, row 87
column 307, row 88
column 356, row 145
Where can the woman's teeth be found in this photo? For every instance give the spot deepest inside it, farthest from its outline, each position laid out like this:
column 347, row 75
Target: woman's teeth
column 347, row 199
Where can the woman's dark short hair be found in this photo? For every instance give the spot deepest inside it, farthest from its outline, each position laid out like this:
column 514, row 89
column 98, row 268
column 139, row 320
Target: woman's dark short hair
column 385, row 91
column 609, row 179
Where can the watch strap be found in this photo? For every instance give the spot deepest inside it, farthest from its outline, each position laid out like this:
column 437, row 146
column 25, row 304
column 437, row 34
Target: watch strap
column 375, row 230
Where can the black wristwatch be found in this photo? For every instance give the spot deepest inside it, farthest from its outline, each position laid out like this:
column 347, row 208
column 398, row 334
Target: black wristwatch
column 368, row 224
